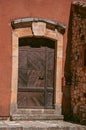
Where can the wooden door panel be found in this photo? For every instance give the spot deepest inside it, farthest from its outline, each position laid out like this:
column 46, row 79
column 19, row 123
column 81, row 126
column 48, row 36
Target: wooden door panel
column 50, row 60
column 31, row 68
column 50, row 78
column 22, row 58
column 50, row 68
column 22, row 70
column 35, row 78
column 36, row 60
column 49, row 100
column 22, row 78
column 36, row 74
column 30, row 100
column 36, row 69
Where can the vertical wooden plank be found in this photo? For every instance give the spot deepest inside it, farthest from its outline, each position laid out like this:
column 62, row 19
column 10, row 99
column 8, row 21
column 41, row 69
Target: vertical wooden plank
column 49, row 93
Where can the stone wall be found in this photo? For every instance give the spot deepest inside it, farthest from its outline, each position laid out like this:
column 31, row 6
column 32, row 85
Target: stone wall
column 78, row 70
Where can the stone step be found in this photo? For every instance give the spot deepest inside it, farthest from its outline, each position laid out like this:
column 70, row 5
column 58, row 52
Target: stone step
column 36, row 117
column 36, row 111
column 39, row 125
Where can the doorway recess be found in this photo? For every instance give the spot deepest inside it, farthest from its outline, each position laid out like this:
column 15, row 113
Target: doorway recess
column 37, row 54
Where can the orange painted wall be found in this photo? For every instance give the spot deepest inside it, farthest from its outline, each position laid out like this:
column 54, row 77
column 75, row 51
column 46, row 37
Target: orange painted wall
column 58, row 10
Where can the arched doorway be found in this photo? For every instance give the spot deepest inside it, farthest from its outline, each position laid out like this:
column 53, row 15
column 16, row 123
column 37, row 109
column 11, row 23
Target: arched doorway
column 37, row 53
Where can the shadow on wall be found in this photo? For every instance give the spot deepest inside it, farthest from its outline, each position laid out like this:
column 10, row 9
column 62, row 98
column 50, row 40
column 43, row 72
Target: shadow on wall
column 66, row 108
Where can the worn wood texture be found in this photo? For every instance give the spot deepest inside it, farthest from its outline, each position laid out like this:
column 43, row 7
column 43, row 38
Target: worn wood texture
column 36, row 73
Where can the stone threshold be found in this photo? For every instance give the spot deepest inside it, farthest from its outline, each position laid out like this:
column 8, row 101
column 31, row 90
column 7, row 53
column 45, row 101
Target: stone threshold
column 40, row 125
column 29, row 117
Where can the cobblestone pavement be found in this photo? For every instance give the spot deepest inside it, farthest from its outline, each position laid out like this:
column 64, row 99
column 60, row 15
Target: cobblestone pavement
column 39, row 125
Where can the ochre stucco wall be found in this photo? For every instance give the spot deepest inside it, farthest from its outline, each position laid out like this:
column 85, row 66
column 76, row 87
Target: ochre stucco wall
column 58, row 10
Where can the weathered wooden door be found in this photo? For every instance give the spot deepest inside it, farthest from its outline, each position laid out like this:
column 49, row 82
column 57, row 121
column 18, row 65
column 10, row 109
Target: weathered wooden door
column 36, row 73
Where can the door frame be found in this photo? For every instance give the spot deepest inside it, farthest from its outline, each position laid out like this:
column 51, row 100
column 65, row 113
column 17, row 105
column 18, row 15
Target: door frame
column 37, row 28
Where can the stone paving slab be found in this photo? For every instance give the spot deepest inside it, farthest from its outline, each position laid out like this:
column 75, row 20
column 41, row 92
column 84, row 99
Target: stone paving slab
column 39, row 125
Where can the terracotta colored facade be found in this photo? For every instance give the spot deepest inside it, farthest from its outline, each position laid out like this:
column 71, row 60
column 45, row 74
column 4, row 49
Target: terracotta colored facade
column 57, row 10
column 9, row 11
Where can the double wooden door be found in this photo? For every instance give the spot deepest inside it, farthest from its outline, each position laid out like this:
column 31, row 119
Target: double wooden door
column 36, row 73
